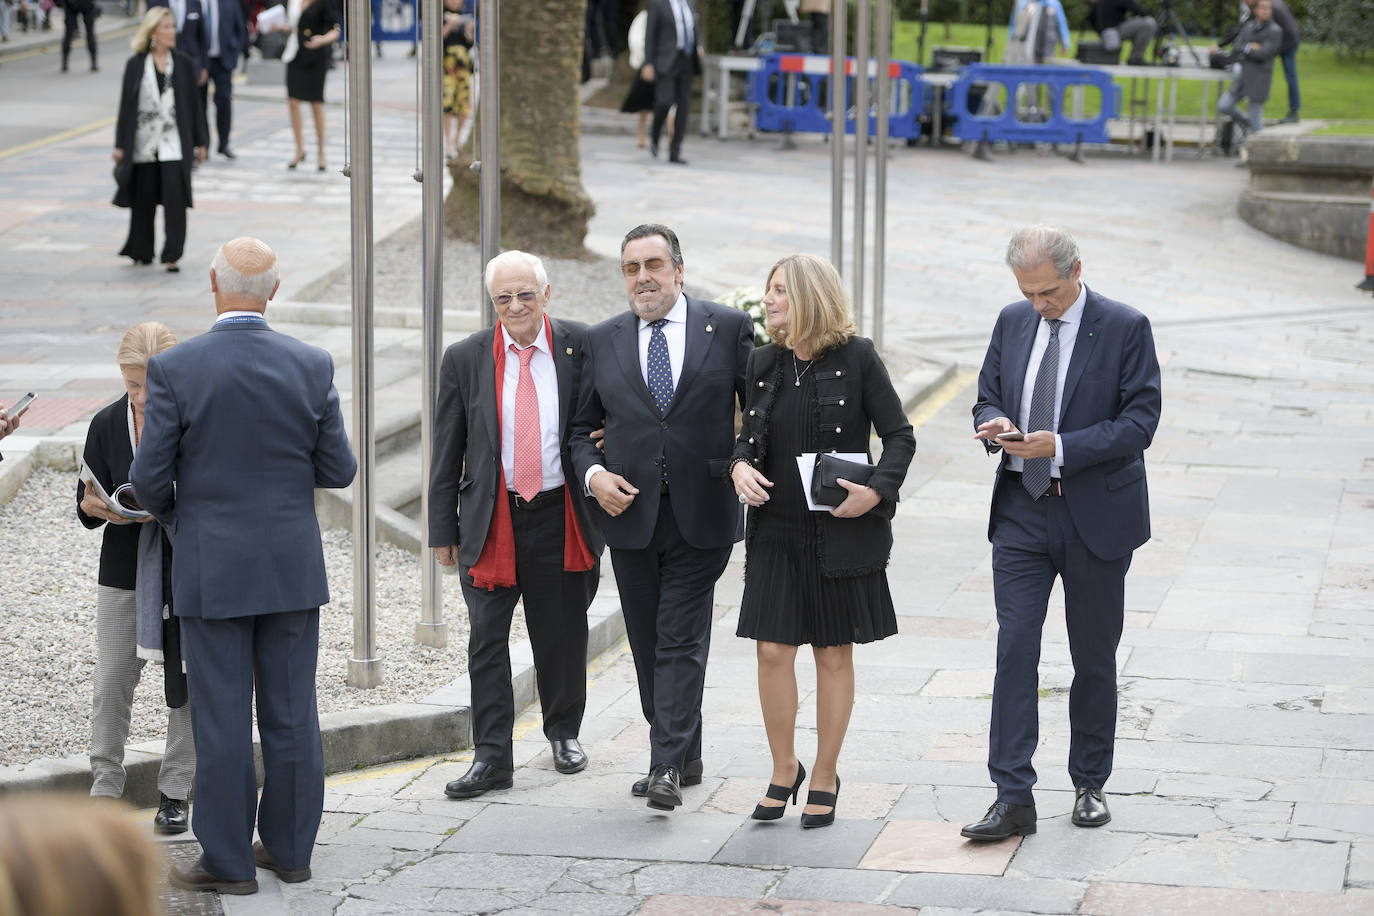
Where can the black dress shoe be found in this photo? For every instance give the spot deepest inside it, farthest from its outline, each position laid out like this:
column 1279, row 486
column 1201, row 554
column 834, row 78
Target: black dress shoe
column 1001, row 821
column 196, row 878
column 653, row 148
column 665, row 788
column 568, row 756
column 691, row 776
column 171, row 815
column 227, row 153
column 677, row 160
column 264, row 859
column 822, row 798
column 481, row 777
column 1090, row 808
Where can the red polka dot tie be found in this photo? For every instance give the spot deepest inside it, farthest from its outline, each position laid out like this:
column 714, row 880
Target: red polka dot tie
column 529, row 458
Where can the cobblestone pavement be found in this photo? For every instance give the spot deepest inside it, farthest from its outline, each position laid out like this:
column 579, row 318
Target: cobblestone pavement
column 1244, row 777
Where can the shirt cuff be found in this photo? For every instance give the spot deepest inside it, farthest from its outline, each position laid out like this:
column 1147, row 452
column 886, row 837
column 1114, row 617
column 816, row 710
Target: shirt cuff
column 1058, row 451
column 587, row 478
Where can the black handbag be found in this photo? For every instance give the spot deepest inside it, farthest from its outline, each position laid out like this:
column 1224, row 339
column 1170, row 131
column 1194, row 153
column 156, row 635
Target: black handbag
column 271, row 45
column 824, row 490
column 124, row 181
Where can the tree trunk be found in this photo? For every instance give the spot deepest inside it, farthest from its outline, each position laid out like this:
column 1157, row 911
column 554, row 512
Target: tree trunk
column 543, row 206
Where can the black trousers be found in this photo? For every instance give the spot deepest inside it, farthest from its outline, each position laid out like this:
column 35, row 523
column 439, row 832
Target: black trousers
column 671, row 89
column 1035, row 541
column 87, row 18
column 157, row 183
column 667, row 591
column 223, row 78
column 556, row 604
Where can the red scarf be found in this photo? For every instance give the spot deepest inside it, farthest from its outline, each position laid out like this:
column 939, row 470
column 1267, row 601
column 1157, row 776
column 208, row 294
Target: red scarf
column 495, row 568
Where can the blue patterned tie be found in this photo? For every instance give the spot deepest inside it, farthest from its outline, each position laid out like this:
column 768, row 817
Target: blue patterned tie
column 660, row 379
column 1035, row 477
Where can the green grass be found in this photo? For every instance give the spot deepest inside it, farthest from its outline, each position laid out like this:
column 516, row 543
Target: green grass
column 1332, row 87
column 1348, row 129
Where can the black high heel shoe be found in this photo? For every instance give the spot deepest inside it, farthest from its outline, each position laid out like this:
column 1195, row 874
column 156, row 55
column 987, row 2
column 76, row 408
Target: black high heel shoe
column 297, row 161
column 821, row 798
column 779, row 793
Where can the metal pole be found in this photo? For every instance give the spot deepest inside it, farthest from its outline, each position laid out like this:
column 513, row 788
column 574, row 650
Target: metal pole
column 489, row 166
column 882, row 88
column 862, row 31
column 364, row 668
column 838, row 20
column 431, row 630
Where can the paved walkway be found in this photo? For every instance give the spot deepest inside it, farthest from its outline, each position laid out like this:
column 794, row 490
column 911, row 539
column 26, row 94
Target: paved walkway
column 1245, row 762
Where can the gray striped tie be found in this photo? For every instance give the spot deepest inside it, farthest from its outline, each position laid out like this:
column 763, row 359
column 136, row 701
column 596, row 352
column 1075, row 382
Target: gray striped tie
column 1035, row 477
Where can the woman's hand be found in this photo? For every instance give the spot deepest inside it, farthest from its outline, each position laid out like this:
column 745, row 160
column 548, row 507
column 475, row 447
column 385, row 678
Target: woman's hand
column 95, row 507
column 750, row 484
column 859, row 500
column 117, row 155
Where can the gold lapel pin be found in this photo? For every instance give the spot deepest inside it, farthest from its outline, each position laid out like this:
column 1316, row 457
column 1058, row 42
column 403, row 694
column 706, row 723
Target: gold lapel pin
column 568, row 350
column 708, row 329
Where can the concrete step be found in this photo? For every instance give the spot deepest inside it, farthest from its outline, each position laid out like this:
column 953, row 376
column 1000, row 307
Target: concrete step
column 396, row 481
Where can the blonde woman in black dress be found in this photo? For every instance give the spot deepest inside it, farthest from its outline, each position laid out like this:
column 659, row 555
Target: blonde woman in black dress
column 814, row 577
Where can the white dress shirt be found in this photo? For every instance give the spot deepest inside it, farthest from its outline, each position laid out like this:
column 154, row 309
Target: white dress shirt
column 212, row 26
column 676, row 333
column 682, row 18
column 546, row 388
column 1069, row 323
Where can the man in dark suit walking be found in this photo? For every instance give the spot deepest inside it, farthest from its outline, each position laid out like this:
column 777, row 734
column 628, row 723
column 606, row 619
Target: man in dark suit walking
column 665, row 377
column 500, row 508
column 242, row 424
column 672, row 58
column 226, row 37
column 1077, row 373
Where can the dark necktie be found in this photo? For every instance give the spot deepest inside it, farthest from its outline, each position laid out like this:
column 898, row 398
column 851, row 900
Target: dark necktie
column 1035, row 476
column 660, row 378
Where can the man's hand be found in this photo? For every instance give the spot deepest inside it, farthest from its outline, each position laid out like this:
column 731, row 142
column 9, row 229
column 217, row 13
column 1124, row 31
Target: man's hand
column 859, row 500
column 612, row 491
column 647, row 71
column 95, row 507
column 447, row 555
column 994, row 428
column 7, row 424
column 750, row 484
column 204, row 75
column 1039, row 444
column 598, row 436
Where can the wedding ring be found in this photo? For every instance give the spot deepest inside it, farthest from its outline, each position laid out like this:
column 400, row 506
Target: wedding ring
column 743, row 499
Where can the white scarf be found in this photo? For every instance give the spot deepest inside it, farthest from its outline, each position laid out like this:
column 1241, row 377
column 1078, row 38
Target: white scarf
column 156, row 138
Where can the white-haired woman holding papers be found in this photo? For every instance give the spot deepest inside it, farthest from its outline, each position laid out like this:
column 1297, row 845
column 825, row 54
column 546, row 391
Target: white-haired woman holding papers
column 130, row 626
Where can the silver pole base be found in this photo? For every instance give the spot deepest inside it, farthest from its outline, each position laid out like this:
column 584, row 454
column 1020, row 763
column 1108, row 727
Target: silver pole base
column 364, row 672
column 431, row 634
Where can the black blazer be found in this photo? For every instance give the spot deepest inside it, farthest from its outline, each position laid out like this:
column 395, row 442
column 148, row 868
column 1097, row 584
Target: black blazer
column 695, row 435
column 854, row 395
column 465, row 476
column 108, row 454
column 191, row 127
column 660, row 37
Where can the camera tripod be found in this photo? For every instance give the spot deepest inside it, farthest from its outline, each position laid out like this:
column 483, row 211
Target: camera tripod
column 1167, row 20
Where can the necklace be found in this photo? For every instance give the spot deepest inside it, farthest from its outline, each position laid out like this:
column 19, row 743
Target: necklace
column 799, row 373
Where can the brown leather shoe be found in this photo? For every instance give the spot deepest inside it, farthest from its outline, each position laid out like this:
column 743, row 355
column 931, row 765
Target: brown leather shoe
column 196, row 878
column 264, row 859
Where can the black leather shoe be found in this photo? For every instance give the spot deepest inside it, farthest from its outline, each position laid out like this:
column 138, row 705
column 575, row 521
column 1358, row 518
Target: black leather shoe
column 653, row 148
column 1090, row 808
column 665, row 788
column 196, row 878
column 481, row 777
column 1001, row 821
column 822, row 798
column 171, row 816
column 227, row 153
column 568, row 756
column 677, row 160
column 691, row 776
column 264, row 859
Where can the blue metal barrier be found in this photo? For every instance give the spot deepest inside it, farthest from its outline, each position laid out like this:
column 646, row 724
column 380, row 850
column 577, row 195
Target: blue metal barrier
column 792, row 93
column 1035, row 109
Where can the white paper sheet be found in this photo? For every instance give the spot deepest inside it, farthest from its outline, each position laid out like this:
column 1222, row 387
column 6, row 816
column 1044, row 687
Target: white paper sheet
column 806, row 467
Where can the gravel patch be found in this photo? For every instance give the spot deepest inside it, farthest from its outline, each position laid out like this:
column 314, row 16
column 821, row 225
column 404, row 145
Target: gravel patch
column 47, row 628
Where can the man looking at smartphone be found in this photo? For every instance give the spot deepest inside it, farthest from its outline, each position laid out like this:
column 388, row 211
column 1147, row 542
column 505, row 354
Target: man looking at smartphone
column 1078, row 373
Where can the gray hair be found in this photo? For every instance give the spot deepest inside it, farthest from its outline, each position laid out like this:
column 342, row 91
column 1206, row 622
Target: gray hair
column 1033, row 245
column 515, row 258
column 233, row 282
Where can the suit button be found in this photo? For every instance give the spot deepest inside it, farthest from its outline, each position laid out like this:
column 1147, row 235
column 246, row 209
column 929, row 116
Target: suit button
column 838, row 373
column 664, row 425
column 753, row 413
column 841, row 402
column 837, row 429
column 751, row 440
column 760, row 384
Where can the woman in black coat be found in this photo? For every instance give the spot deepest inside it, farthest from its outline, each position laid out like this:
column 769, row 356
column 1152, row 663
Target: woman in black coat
column 158, row 131
column 814, row 577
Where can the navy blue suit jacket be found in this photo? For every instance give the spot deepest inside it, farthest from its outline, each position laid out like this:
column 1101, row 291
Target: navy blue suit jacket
column 241, row 425
column 696, row 435
column 193, row 38
column 1108, row 416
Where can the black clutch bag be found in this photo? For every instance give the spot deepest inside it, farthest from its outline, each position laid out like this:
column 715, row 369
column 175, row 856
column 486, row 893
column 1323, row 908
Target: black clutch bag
column 824, row 490
column 124, row 181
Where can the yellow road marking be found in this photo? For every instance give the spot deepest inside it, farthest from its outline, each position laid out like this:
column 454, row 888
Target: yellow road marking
column 57, row 138
column 941, row 396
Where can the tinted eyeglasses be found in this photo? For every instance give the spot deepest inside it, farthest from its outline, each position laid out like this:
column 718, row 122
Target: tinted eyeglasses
column 649, row 265
column 526, row 297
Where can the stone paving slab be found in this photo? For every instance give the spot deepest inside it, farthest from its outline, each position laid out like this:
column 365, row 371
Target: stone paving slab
column 1113, row 899
column 936, row 847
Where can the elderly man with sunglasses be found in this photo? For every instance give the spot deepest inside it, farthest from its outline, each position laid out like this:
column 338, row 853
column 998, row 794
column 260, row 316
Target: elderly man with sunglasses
column 500, row 510
column 664, row 377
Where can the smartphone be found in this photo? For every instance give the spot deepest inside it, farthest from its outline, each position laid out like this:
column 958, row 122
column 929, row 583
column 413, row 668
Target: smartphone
column 21, row 405
column 1009, row 437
